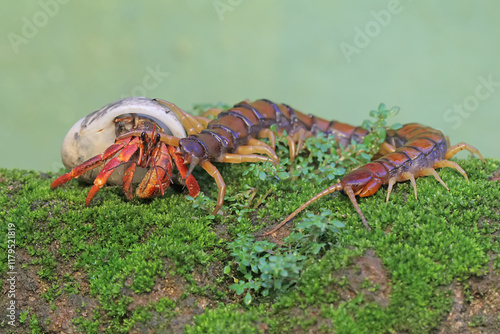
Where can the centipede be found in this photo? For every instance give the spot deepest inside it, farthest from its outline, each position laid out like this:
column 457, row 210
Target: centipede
column 233, row 136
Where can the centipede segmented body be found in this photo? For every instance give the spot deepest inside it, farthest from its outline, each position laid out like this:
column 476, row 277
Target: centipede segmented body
column 415, row 150
column 233, row 137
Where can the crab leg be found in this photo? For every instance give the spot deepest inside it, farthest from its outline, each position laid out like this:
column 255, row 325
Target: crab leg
column 124, row 156
column 91, row 163
column 127, row 180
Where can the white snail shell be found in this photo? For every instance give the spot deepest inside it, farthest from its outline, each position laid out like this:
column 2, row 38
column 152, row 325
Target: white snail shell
column 94, row 133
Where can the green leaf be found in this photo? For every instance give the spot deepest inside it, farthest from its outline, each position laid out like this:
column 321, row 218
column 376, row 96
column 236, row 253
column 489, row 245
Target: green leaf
column 238, row 288
column 283, row 175
column 394, row 111
column 396, row 126
column 248, row 299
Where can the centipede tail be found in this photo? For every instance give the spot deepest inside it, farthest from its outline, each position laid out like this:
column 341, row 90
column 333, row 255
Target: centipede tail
column 416, row 150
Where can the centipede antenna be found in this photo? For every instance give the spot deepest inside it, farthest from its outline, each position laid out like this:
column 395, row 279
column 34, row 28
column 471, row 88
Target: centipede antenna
column 329, row 190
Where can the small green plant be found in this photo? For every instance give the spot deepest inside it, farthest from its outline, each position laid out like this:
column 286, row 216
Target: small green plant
column 378, row 128
column 35, row 325
column 313, row 234
column 477, row 321
column 267, row 267
column 23, row 316
column 224, row 319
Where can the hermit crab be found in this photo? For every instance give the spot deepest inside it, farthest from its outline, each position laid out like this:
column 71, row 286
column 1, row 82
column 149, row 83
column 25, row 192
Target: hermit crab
column 126, row 137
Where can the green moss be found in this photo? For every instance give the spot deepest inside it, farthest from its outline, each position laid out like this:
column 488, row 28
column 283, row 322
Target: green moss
column 226, row 319
column 154, row 264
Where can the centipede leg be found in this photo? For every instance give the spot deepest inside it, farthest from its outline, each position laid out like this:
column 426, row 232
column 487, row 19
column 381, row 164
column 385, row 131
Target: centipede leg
column 432, row 171
column 352, row 197
column 411, row 177
column 392, row 181
column 214, row 172
column 256, row 146
column 267, row 133
column 239, row 158
column 291, row 147
column 190, row 122
column 256, row 142
column 462, row 146
column 451, row 164
column 299, row 138
column 212, row 112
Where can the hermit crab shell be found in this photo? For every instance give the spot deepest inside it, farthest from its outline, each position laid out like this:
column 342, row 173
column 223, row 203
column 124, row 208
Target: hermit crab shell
column 93, row 134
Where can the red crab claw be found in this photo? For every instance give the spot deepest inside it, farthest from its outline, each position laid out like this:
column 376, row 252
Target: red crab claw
column 191, row 183
column 91, row 163
column 131, row 147
column 157, row 179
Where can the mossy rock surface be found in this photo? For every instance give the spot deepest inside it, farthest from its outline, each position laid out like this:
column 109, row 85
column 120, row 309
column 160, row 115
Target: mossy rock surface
column 167, row 265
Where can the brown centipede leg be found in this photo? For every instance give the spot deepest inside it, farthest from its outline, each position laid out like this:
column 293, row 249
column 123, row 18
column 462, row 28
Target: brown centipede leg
column 392, row 181
column 256, row 146
column 169, row 140
column 352, row 197
column 451, row 164
column 463, row 146
column 212, row 112
column 190, row 122
column 202, row 120
column 291, row 147
column 256, row 142
column 411, row 177
column 251, row 150
column 267, row 133
column 296, row 142
column 432, row 171
column 300, row 137
column 214, row 172
column 239, row 158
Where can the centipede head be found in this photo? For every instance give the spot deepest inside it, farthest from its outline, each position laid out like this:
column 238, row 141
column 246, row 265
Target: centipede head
column 363, row 182
column 192, row 151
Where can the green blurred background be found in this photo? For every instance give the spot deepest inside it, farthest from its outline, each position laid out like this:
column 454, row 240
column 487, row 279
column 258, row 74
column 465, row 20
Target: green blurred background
column 336, row 59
